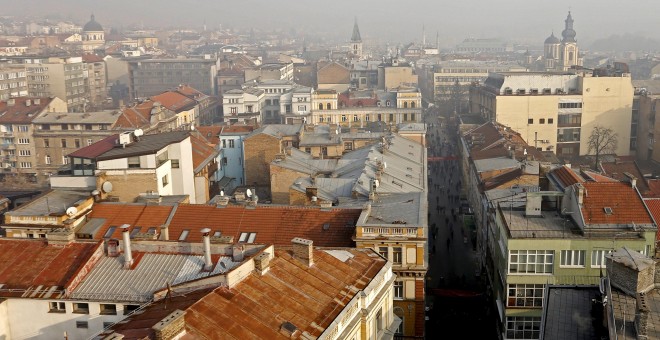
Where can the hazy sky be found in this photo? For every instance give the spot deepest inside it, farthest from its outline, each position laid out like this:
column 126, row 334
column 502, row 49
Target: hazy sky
column 528, row 21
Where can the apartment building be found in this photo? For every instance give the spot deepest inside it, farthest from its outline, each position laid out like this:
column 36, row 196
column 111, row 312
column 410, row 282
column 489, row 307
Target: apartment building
column 13, row 81
column 273, row 71
column 57, row 134
column 395, row 74
column 96, row 80
column 149, row 77
column 645, row 107
column 558, row 111
column 18, row 149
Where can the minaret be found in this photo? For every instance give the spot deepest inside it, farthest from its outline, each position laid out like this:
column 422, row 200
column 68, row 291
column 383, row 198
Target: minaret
column 356, row 41
column 423, row 36
column 569, row 48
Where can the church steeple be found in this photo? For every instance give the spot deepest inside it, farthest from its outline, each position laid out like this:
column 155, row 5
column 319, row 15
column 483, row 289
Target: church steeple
column 356, row 33
column 568, row 34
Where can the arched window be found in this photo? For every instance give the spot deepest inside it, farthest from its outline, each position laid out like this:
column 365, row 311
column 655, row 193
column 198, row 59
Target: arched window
column 328, row 106
column 412, row 105
column 320, row 106
column 570, row 55
column 405, row 105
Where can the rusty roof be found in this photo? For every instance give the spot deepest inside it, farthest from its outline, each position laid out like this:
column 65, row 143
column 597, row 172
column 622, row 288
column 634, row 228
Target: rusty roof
column 626, row 204
column 618, row 170
column 35, row 264
column 202, row 152
column 310, row 298
column 271, row 224
column 97, row 149
column 210, row 132
column 135, row 214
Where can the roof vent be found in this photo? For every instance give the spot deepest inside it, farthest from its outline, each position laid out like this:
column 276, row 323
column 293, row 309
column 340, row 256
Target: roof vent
column 288, row 329
column 608, row 210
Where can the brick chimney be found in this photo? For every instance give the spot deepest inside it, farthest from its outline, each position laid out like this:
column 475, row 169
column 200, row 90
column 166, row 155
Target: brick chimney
column 170, row 327
column 580, row 193
column 128, row 255
column 262, row 263
column 303, row 250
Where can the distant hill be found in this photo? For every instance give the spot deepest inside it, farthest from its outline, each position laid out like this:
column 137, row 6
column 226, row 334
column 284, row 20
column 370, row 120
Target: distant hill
column 626, row 42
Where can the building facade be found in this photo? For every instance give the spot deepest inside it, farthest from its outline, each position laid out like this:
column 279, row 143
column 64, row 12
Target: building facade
column 149, row 77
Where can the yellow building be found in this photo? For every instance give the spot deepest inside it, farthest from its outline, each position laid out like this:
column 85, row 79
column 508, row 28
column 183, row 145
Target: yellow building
column 557, row 111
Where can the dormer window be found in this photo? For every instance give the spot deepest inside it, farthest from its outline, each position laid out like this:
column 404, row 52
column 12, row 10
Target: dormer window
column 608, row 210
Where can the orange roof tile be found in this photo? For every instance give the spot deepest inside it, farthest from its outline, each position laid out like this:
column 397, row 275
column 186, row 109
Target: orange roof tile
column 174, row 101
column 653, row 204
column 618, row 170
column 20, row 112
column 137, row 215
column 32, row 263
column 91, row 58
column 625, row 201
column 566, row 176
column 201, row 151
column 135, row 117
column 210, row 133
column 654, row 188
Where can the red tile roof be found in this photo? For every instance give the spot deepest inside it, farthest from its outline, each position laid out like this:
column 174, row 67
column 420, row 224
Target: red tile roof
column 91, row 58
column 137, row 215
column 596, row 177
column 227, row 129
column 33, row 263
column 20, row 113
column 202, row 151
column 210, row 133
column 190, row 91
column 654, row 188
column 566, row 176
column 174, row 101
column 97, row 149
column 494, row 141
column 617, row 170
column 626, row 203
column 272, row 224
column 654, row 207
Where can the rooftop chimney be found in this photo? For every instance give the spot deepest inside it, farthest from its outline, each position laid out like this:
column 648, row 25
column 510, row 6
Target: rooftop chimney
column 37, row 101
column 261, row 263
column 208, row 264
column 580, row 193
column 128, row 255
column 237, row 252
column 632, row 179
column 165, row 232
column 28, row 103
column 303, row 250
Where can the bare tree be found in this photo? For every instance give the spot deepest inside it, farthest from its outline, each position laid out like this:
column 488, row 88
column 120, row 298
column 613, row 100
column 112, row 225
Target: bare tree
column 602, row 141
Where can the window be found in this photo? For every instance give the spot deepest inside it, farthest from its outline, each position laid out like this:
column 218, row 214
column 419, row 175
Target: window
column 348, row 145
column 165, row 181
column 531, row 261
column 397, row 255
column 379, row 320
column 24, row 141
column 46, row 143
column 355, row 118
column 109, row 232
column 570, row 105
column 81, row 324
column 551, row 121
column 572, row 258
column 184, row 235
column 530, row 121
column 324, row 150
column 64, row 126
column 88, row 126
column 77, row 143
column 542, row 121
column 247, row 237
column 231, row 143
column 128, row 309
column 320, row 106
column 398, row 289
column 523, row 327
column 134, row 162
column 308, row 150
column 598, row 258
column 81, row 308
column 224, row 160
column 49, row 161
column 384, row 252
column 343, row 118
column 224, row 143
column 57, row 307
column 234, row 110
column 108, row 309
column 22, row 128
column 525, row 295
column 26, row 165
column 24, row 152
column 175, row 163
column 405, row 117
column 65, row 160
column 328, row 106
column 63, row 143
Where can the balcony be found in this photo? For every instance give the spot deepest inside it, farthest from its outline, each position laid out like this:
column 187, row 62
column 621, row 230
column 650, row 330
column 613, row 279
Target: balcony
column 389, row 232
column 7, row 146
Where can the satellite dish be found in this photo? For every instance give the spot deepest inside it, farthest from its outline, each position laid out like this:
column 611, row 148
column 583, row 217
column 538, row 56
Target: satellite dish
column 205, row 230
column 95, row 192
column 192, row 127
column 71, row 211
column 106, row 187
column 138, row 132
column 248, row 193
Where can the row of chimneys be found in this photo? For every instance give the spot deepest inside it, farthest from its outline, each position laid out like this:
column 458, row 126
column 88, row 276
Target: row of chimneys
column 28, row 102
column 302, row 250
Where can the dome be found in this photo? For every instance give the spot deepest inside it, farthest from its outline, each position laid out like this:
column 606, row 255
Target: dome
column 552, row 39
column 92, row 26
